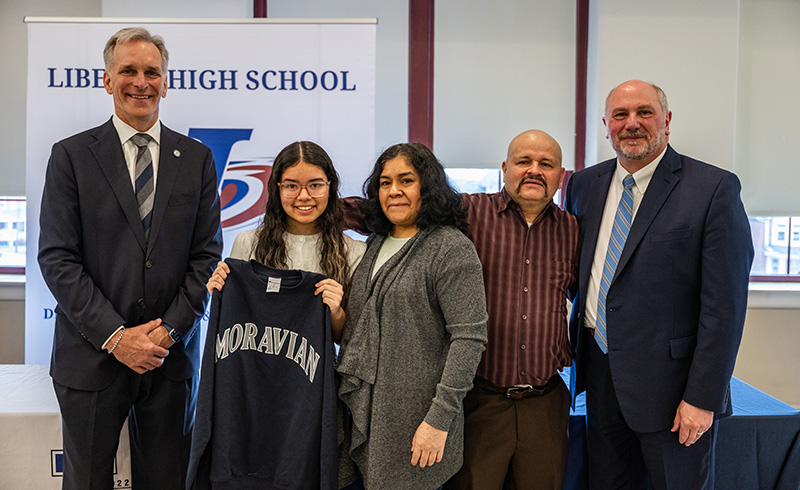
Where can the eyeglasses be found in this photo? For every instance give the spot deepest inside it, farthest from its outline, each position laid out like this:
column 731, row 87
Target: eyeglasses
column 314, row 189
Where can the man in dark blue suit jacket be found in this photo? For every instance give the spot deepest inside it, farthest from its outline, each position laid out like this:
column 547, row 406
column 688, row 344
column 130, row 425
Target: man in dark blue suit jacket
column 129, row 301
column 675, row 306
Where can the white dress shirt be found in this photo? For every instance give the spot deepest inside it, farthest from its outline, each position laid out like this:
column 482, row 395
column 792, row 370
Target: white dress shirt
column 302, row 251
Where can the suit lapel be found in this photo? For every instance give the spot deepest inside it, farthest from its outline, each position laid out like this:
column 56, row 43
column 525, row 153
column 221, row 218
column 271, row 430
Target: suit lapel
column 595, row 204
column 107, row 151
column 169, row 161
column 660, row 187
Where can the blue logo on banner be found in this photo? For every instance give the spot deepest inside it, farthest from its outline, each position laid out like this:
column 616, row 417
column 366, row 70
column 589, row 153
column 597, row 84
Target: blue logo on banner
column 242, row 185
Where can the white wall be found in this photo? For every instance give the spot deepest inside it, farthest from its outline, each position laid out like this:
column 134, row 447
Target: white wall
column 391, row 77
column 193, row 9
column 689, row 49
column 768, row 356
column 501, row 68
column 14, row 60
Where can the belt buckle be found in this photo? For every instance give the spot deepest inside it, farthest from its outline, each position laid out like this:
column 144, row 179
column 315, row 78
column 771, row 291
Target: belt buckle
column 518, row 391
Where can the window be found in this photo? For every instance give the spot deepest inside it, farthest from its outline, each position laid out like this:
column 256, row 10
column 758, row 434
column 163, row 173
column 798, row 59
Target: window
column 472, row 180
column 796, row 232
column 12, row 235
column 777, row 257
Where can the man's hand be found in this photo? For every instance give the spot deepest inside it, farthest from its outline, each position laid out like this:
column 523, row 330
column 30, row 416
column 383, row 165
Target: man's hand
column 427, row 447
column 691, row 423
column 137, row 351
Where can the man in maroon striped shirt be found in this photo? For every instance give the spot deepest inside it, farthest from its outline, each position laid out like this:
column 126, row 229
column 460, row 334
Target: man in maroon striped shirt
column 518, row 411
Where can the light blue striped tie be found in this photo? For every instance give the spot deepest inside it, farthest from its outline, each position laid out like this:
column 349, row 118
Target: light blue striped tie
column 619, row 233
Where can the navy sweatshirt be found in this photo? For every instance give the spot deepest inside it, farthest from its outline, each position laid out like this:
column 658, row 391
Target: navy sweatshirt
column 266, row 410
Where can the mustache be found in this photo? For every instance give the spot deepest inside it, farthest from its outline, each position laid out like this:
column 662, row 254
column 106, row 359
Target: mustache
column 633, row 134
column 528, row 179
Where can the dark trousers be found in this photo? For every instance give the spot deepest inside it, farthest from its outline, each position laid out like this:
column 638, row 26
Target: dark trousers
column 160, row 415
column 621, row 458
column 510, row 443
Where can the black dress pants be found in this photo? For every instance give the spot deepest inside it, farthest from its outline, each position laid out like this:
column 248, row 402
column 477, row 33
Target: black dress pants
column 160, row 415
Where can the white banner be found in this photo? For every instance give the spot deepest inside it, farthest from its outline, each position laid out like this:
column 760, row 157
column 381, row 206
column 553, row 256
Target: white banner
column 245, row 89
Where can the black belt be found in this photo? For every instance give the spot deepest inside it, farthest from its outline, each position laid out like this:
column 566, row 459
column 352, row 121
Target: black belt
column 519, row 391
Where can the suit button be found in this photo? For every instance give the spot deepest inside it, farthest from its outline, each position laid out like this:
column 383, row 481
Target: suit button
column 140, row 302
column 148, row 264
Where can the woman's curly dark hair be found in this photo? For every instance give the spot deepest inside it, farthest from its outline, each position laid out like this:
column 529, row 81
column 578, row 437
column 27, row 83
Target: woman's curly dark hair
column 440, row 206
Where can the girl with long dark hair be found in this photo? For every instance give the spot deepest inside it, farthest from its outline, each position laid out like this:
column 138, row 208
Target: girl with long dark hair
column 302, row 227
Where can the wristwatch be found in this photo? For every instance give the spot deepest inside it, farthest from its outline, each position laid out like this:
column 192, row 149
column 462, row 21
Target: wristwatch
column 176, row 337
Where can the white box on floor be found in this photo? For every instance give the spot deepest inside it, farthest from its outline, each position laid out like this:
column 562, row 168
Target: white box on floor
column 31, row 455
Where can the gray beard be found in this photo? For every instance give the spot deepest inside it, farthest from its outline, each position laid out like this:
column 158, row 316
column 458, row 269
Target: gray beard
column 638, row 152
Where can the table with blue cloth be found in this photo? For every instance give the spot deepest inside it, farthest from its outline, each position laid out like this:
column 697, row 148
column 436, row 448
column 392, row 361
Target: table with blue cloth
column 758, row 447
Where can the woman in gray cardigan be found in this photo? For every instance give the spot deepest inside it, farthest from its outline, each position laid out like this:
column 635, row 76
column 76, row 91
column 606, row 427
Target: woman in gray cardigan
column 417, row 327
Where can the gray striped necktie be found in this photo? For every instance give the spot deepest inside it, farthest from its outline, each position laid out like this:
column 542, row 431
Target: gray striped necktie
column 144, row 185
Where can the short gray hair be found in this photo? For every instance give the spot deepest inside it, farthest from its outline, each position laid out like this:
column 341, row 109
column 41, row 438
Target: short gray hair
column 662, row 98
column 133, row 34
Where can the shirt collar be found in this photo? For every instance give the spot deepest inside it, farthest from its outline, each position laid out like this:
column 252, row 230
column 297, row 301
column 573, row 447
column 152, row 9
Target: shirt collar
column 641, row 177
column 125, row 131
column 505, row 203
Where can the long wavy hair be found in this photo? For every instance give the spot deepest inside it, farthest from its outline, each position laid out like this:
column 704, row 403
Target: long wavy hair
column 270, row 247
column 440, row 205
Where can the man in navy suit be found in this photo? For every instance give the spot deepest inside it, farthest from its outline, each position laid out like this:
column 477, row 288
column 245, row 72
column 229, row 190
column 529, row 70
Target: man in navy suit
column 130, row 233
column 660, row 307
